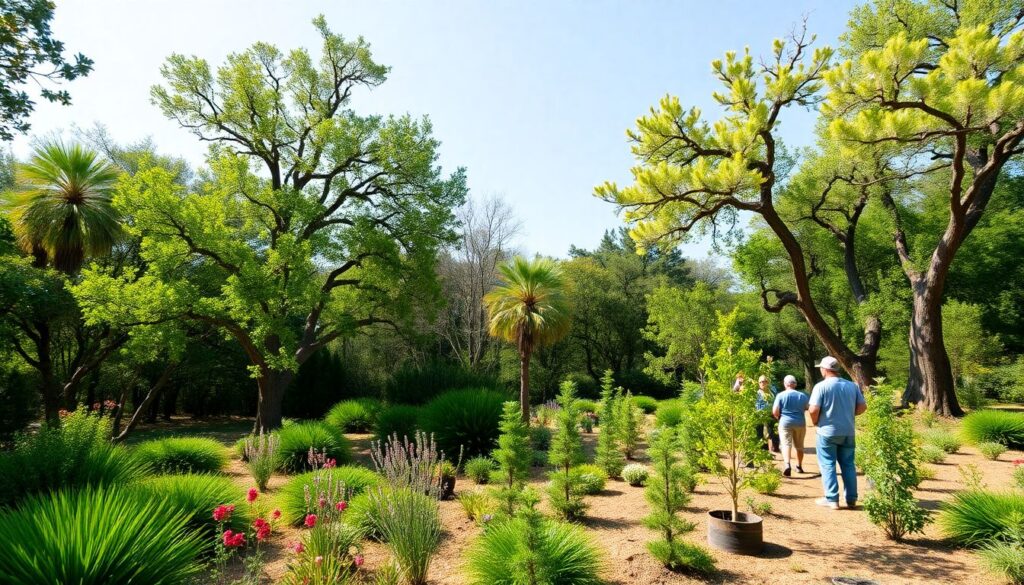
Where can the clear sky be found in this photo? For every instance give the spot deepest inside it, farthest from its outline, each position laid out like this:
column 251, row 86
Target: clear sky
column 532, row 97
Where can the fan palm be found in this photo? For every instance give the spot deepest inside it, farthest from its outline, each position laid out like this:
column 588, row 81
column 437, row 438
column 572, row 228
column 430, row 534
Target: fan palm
column 61, row 206
column 528, row 307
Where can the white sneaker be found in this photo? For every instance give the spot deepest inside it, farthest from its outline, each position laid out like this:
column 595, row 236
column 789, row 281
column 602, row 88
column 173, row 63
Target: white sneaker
column 826, row 503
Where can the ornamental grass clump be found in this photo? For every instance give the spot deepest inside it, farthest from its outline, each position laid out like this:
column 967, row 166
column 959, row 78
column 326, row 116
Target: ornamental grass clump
column 976, row 517
column 97, row 536
column 292, row 495
column 609, row 454
column 400, row 420
column 354, row 416
column 566, row 451
column 410, row 524
column 479, row 469
column 183, row 455
column 196, row 495
column 262, row 454
column 409, row 464
column 996, row 426
column 890, row 464
column 1006, row 558
column 464, row 420
column 666, row 493
column 590, row 479
column 942, row 439
column 646, row 404
column 931, row 454
column 476, row 504
column 296, row 441
column 529, row 549
column 76, row 454
column 991, row 450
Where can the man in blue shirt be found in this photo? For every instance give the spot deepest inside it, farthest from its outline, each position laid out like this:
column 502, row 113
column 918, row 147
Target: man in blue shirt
column 834, row 404
column 789, row 409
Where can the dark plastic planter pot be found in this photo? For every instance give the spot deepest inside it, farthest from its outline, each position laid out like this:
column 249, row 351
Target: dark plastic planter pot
column 743, row 536
column 447, row 488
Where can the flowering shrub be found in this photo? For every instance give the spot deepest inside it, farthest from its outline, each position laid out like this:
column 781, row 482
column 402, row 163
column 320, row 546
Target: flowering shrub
column 298, row 439
column 261, row 454
column 292, row 496
column 250, row 539
column 412, row 464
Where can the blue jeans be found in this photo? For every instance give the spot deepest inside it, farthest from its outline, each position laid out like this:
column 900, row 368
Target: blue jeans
column 833, row 450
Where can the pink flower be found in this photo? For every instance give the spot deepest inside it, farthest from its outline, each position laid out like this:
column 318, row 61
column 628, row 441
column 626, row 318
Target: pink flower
column 221, row 513
column 262, row 531
column 310, row 520
column 358, row 560
column 276, row 514
column 298, row 548
column 259, row 523
column 252, row 495
column 341, row 506
column 321, row 501
column 234, row 539
column 318, row 560
column 330, row 463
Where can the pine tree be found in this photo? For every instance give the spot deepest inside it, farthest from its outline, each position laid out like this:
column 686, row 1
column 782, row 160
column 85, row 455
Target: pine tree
column 628, row 419
column 667, row 495
column 566, row 451
column 514, row 456
column 609, row 442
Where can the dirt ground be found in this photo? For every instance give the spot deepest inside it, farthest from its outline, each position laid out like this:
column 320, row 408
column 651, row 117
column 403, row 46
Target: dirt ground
column 804, row 543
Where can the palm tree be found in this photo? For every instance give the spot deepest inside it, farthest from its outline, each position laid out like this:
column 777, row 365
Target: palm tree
column 528, row 307
column 61, row 206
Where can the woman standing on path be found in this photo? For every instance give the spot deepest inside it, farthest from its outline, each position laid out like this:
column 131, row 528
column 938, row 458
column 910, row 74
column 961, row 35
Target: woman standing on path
column 789, row 409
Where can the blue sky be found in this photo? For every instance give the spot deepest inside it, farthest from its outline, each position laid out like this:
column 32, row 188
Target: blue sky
column 532, row 97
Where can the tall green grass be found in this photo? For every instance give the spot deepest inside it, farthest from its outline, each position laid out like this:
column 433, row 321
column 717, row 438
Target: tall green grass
column 398, row 419
column 974, row 518
column 354, row 416
column 291, row 498
column 77, row 454
column 197, row 495
column 183, row 455
column 464, row 419
column 994, row 426
column 297, row 439
column 97, row 537
column 411, row 525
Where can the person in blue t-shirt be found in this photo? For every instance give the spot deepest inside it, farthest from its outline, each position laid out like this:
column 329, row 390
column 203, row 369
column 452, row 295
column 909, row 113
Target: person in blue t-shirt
column 789, row 409
column 834, row 404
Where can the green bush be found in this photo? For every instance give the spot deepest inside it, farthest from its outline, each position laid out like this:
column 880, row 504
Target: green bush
column 586, row 405
column 298, row 438
column 464, row 419
column 635, row 474
column 609, row 455
column 364, row 513
column 1005, row 559
column 183, row 455
column 765, row 482
column 931, row 454
column 354, row 416
column 997, row 426
column 669, row 413
column 418, row 384
column 565, row 495
column 1005, row 382
column 291, row 498
column 975, row 517
column 19, row 401
column 398, row 419
column 101, row 536
column 991, row 451
column 645, row 403
column 589, row 478
column 479, row 469
column 562, row 552
column 1018, row 476
column 77, row 454
column 540, row 438
column 942, row 439
column 476, row 504
column 197, row 495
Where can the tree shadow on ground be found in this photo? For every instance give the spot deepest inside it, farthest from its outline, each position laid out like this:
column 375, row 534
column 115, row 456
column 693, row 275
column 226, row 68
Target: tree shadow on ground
column 608, row 523
column 774, row 551
column 913, row 558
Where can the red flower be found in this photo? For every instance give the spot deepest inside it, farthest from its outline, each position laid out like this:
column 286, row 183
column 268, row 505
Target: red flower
column 263, row 531
column 341, row 506
column 221, row 513
column 252, row 495
column 259, row 523
column 233, row 539
column 276, row 514
column 310, row 520
column 330, row 463
column 358, row 560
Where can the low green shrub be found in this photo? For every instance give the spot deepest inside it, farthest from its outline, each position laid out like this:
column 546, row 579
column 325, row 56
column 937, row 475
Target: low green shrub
column 765, row 482
column 540, row 438
column 645, row 403
column 297, row 439
column 586, row 405
column 925, row 472
column 76, row 454
column 1005, row 559
column 476, row 504
column 397, row 419
column 931, row 454
column 419, row 383
column 669, row 413
column 197, row 495
column 183, row 455
column 635, row 474
column 589, row 478
column 762, row 509
column 1018, row 476
column 974, row 517
column 464, row 421
column 562, row 552
column 98, row 536
column 991, row 451
column 997, row 426
column 942, row 439
column 291, row 498
column 354, row 416
column 479, row 469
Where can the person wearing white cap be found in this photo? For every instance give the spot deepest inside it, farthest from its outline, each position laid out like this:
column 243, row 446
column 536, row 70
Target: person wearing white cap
column 833, row 405
column 789, row 409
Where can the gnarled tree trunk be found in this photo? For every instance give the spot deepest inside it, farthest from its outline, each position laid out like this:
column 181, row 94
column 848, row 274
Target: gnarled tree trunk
column 272, row 385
